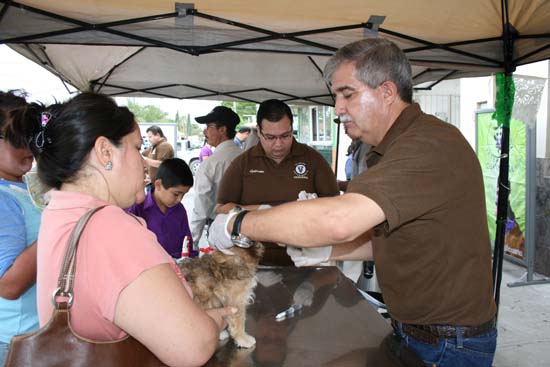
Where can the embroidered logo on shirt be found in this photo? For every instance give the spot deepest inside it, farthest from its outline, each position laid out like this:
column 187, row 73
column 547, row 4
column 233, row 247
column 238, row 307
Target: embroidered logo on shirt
column 255, row 171
column 300, row 171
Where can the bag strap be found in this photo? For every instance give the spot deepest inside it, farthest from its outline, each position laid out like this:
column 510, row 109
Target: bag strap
column 66, row 275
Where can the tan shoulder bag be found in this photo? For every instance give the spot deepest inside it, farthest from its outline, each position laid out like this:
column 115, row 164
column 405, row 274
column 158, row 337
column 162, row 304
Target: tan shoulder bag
column 56, row 344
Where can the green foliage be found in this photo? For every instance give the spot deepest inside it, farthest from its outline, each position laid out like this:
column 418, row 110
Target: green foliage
column 245, row 110
column 186, row 127
column 148, row 113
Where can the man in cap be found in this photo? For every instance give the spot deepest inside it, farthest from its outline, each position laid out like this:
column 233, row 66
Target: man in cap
column 419, row 211
column 275, row 172
column 220, row 131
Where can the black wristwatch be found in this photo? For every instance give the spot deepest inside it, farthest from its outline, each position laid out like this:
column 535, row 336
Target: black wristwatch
column 237, row 238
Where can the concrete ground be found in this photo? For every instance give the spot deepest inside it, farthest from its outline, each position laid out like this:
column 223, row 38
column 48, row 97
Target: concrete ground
column 524, row 316
column 523, row 323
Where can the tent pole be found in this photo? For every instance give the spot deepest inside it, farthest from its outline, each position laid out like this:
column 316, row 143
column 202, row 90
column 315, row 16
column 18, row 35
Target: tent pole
column 504, row 104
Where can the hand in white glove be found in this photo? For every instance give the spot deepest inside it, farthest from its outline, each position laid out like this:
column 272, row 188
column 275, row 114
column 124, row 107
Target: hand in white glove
column 218, row 235
column 302, row 195
column 303, row 295
column 268, row 278
column 264, row 206
column 308, row 256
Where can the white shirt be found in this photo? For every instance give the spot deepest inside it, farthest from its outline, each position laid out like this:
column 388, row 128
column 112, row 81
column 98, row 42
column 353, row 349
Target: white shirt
column 207, row 180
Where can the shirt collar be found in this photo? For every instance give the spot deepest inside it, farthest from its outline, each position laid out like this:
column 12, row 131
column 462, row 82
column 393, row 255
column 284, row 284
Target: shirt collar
column 149, row 200
column 401, row 124
column 71, row 199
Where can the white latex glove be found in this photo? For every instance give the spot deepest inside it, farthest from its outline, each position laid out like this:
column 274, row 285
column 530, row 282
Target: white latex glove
column 308, row 256
column 302, row 195
column 303, row 295
column 264, row 206
column 218, row 235
column 268, row 278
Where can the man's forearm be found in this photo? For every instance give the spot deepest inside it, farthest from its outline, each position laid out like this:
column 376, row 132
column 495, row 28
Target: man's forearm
column 313, row 223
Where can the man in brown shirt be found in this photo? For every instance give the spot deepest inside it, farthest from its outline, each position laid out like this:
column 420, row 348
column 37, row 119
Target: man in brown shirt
column 159, row 150
column 419, row 211
column 275, row 171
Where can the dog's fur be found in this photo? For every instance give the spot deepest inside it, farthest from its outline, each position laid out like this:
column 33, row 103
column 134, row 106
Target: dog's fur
column 220, row 280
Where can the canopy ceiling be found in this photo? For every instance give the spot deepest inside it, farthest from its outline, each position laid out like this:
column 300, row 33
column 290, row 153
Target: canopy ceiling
column 254, row 50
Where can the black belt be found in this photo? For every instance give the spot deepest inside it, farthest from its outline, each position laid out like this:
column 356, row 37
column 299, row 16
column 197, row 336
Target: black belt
column 431, row 334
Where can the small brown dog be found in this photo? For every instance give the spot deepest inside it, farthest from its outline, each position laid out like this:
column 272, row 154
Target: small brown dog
column 220, row 280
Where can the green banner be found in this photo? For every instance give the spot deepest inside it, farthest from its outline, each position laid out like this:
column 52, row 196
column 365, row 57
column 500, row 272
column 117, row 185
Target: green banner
column 489, row 139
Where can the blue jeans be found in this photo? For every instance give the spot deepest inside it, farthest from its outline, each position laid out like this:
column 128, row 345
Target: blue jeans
column 477, row 351
column 3, row 352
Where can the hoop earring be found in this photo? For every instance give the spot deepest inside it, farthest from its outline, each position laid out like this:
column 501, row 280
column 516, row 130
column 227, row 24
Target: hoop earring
column 108, row 166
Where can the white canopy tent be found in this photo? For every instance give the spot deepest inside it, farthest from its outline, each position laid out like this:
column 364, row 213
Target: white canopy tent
column 253, row 50
column 249, row 50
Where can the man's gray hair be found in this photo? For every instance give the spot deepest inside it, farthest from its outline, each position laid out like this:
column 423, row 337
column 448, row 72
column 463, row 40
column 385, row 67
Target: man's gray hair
column 376, row 61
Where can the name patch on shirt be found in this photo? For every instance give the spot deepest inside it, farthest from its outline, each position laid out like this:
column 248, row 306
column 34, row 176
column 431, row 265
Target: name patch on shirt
column 300, row 171
column 256, row 171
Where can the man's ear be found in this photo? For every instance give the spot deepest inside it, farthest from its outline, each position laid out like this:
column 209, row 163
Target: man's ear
column 103, row 150
column 389, row 91
column 223, row 129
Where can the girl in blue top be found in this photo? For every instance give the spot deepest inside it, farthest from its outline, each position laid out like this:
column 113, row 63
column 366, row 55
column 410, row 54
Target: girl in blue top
column 19, row 223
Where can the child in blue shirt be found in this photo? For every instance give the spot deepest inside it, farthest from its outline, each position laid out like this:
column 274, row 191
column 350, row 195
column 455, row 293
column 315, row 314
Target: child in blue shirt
column 162, row 208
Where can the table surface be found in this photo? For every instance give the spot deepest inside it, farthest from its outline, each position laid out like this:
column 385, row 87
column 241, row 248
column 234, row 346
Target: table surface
column 339, row 328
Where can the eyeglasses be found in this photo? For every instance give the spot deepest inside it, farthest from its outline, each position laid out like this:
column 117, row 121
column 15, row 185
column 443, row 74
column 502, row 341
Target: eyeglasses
column 272, row 138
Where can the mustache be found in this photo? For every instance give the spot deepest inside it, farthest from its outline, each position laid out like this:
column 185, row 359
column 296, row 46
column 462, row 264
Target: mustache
column 345, row 118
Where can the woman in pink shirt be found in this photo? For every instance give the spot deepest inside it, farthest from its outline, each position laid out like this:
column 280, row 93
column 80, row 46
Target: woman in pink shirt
column 125, row 283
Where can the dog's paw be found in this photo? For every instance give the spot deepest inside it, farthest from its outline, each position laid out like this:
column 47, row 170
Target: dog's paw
column 245, row 341
column 224, row 334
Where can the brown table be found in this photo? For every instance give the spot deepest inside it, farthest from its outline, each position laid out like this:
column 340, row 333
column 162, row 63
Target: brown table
column 339, row 328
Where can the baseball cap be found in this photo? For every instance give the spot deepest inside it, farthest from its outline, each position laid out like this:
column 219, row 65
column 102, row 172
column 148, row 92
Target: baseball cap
column 221, row 115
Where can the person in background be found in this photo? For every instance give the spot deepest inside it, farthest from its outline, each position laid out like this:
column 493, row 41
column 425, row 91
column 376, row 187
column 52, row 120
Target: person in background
column 220, row 131
column 162, row 209
column 418, row 210
column 357, row 271
column 275, row 172
column 242, row 134
column 206, row 151
column 159, row 150
column 19, row 223
column 125, row 282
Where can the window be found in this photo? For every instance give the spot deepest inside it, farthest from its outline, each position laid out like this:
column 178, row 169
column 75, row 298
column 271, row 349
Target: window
column 321, row 121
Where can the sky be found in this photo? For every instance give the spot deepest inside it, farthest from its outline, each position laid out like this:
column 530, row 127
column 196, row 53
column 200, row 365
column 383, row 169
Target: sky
column 17, row 72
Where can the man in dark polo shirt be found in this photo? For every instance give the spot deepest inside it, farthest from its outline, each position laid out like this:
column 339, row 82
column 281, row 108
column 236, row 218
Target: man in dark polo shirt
column 275, row 171
column 419, row 211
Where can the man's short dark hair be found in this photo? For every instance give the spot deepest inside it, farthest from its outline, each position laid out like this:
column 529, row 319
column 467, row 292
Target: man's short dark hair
column 155, row 130
column 174, row 172
column 244, row 129
column 273, row 110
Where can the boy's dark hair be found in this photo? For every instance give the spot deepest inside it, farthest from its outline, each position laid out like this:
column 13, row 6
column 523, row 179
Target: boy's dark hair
column 174, row 172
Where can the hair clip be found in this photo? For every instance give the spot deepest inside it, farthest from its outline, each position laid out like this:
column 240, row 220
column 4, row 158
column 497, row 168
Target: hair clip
column 45, row 118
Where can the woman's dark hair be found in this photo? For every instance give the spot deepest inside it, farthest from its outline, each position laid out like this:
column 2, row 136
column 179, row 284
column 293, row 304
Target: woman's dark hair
column 68, row 132
column 174, row 172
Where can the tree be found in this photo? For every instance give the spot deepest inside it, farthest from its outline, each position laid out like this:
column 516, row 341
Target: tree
column 245, row 110
column 148, row 113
